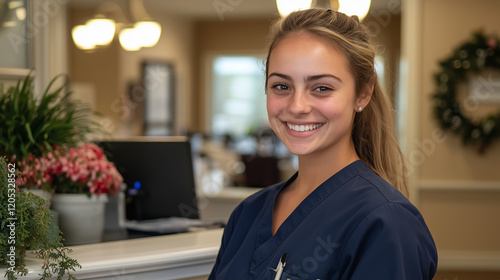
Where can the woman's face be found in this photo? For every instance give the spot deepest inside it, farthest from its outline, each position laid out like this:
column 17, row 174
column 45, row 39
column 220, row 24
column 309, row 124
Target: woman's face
column 311, row 98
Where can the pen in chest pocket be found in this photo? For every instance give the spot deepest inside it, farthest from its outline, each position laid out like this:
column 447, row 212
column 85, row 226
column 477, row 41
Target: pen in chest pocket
column 281, row 265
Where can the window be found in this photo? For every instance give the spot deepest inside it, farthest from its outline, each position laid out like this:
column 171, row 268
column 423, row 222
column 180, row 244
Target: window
column 238, row 95
column 14, row 35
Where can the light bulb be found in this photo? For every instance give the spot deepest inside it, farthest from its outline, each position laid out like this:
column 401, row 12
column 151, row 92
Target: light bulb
column 102, row 30
column 149, row 32
column 287, row 6
column 82, row 37
column 359, row 8
column 129, row 39
column 21, row 13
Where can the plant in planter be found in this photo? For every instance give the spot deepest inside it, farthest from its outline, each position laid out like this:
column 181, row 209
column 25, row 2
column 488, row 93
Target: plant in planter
column 26, row 224
column 47, row 135
column 80, row 178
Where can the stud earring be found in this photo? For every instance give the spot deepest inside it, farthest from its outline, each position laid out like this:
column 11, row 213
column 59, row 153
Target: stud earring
column 360, row 108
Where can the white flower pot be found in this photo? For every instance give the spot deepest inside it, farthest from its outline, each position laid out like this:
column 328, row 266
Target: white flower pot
column 41, row 193
column 81, row 219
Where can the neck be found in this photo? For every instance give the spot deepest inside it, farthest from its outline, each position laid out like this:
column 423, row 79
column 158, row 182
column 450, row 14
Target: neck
column 316, row 168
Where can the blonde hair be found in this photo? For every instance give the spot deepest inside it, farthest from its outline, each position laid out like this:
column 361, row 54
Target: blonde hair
column 373, row 130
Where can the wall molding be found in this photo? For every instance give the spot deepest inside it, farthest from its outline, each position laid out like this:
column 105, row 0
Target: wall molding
column 452, row 185
column 469, row 260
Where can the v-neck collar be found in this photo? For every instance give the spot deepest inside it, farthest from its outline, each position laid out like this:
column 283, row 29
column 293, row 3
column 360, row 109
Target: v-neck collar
column 266, row 243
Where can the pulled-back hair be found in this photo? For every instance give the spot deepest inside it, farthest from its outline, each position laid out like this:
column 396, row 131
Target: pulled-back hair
column 373, row 130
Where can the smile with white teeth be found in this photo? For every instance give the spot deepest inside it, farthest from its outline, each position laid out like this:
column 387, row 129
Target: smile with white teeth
column 302, row 127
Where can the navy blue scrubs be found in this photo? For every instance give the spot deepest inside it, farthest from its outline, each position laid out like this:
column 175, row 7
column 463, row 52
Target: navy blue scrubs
column 353, row 226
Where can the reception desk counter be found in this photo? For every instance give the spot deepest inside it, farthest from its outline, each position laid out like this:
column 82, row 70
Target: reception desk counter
column 175, row 256
column 178, row 256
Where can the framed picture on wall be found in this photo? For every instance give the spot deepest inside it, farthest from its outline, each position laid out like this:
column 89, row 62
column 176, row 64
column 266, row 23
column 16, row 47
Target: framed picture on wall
column 159, row 98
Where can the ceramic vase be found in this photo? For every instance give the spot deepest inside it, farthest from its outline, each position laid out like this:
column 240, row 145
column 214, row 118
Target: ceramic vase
column 81, row 218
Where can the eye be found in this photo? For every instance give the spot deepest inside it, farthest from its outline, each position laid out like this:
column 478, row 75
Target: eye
column 323, row 89
column 280, row 87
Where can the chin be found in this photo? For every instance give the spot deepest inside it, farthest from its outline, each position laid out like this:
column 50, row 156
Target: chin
column 299, row 150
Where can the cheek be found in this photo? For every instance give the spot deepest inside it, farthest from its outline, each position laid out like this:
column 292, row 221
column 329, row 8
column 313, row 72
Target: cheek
column 335, row 111
column 274, row 106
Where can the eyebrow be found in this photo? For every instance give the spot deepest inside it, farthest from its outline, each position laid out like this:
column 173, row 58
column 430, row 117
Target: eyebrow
column 307, row 79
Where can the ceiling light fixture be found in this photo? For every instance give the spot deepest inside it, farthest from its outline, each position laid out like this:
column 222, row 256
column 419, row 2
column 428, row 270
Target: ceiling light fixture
column 100, row 30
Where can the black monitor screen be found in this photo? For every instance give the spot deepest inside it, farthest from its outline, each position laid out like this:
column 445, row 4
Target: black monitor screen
column 158, row 172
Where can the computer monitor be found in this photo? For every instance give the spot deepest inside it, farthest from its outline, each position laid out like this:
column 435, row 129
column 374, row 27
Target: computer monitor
column 159, row 177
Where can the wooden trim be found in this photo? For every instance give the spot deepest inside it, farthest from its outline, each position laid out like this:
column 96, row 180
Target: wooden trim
column 450, row 185
column 469, row 260
column 409, row 88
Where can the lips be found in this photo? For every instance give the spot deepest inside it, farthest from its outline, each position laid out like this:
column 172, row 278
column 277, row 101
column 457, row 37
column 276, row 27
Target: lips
column 303, row 127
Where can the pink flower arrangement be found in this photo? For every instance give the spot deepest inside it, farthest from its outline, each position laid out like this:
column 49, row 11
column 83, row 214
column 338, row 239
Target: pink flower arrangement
column 82, row 169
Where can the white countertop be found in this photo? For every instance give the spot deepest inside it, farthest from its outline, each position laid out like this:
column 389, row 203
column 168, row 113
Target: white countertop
column 174, row 256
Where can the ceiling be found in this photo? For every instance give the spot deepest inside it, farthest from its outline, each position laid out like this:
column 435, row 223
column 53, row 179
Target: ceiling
column 216, row 9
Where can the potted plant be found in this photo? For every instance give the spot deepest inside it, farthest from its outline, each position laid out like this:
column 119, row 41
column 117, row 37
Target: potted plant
column 27, row 226
column 80, row 178
column 52, row 127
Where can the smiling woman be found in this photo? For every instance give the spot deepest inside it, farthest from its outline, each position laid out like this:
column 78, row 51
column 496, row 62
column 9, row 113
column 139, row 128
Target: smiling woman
column 343, row 214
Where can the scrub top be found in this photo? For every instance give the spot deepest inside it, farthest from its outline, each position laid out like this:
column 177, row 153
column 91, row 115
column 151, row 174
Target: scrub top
column 355, row 225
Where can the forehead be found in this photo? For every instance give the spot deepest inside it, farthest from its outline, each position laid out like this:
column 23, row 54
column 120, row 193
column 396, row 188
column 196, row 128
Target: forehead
column 306, row 52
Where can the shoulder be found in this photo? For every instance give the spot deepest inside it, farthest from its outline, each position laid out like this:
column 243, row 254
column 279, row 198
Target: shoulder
column 376, row 207
column 372, row 191
column 391, row 242
column 388, row 229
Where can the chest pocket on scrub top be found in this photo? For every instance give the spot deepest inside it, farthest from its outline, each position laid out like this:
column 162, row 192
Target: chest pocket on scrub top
column 270, row 274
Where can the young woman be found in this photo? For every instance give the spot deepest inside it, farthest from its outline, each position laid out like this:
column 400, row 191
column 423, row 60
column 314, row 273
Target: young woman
column 343, row 214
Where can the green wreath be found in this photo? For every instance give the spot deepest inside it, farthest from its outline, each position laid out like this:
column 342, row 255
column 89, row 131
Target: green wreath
column 471, row 58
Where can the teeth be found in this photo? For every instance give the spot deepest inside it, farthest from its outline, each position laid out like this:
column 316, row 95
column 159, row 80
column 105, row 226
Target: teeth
column 303, row 127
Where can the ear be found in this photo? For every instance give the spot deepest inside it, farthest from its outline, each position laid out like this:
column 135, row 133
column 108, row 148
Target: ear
column 364, row 98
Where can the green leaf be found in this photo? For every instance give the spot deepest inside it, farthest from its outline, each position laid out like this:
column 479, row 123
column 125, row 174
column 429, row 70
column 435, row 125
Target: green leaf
column 28, row 130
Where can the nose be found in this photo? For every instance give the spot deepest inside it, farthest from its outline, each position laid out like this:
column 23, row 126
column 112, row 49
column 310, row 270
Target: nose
column 300, row 103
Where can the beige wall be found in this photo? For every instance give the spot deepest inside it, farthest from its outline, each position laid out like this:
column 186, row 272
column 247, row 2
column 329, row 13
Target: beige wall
column 459, row 189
